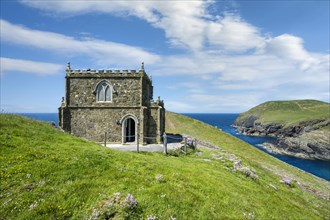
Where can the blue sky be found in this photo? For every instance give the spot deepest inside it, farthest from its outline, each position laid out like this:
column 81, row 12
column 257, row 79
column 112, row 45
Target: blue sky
column 204, row 56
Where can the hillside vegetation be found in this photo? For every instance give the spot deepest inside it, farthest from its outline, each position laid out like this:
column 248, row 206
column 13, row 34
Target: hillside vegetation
column 288, row 113
column 48, row 174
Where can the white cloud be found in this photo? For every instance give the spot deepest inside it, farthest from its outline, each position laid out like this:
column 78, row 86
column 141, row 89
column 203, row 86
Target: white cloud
column 271, row 72
column 239, row 66
column 239, row 82
column 190, row 25
column 186, row 24
column 27, row 66
column 233, row 34
column 182, row 21
column 105, row 52
column 290, row 47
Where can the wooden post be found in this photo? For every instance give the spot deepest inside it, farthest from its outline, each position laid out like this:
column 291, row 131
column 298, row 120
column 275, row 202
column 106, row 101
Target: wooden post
column 165, row 143
column 185, row 145
column 105, row 139
column 137, row 139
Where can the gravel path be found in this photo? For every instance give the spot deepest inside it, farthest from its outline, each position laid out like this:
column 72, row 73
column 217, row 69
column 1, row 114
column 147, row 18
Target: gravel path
column 145, row 148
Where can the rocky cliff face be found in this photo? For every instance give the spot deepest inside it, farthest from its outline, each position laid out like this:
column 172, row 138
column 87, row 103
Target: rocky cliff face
column 308, row 139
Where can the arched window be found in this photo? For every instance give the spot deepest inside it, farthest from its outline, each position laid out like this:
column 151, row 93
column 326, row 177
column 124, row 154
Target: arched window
column 104, row 92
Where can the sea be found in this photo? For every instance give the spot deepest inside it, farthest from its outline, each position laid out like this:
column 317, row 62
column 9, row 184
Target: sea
column 224, row 122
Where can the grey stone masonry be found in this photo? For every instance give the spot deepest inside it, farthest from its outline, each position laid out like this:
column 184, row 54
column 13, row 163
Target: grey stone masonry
column 112, row 104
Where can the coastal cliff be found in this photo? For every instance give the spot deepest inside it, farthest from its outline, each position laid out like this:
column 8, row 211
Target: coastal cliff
column 302, row 127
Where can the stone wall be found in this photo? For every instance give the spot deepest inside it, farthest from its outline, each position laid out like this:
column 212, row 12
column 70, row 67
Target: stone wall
column 147, row 91
column 126, row 91
column 64, row 119
column 152, row 123
column 156, row 121
column 91, row 123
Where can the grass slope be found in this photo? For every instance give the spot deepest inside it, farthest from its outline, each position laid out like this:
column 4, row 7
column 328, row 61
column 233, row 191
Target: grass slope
column 288, row 113
column 47, row 174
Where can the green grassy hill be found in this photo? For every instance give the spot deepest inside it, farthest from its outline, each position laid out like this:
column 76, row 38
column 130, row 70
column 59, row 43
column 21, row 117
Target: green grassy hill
column 48, row 174
column 288, row 113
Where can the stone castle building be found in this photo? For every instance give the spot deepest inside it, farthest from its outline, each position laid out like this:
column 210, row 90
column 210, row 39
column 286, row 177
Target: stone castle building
column 117, row 102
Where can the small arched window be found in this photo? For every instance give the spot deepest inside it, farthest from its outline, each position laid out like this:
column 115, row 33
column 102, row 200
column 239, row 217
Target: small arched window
column 104, row 92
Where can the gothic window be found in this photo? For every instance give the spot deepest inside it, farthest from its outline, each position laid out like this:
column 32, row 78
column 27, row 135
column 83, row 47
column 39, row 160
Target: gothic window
column 104, row 92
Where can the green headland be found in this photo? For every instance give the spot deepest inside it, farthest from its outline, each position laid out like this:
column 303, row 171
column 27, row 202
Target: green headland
column 301, row 126
column 48, row 174
column 288, row 113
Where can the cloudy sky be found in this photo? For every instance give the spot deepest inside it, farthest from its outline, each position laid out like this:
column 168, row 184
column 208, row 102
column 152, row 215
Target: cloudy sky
column 203, row 56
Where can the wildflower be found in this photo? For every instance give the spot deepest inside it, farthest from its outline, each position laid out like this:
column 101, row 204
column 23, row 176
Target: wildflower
column 95, row 214
column 152, row 217
column 41, row 183
column 163, row 195
column 116, row 206
column 116, row 197
column 28, row 175
column 159, row 177
column 288, row 181
column 249, row 215
column 130, row 201
column 33, row 205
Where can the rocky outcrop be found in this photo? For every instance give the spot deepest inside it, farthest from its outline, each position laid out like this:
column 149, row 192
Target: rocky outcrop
column 311, row 145
column 305, row 140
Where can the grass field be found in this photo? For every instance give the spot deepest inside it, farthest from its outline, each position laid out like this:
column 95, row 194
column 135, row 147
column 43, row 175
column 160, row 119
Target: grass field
column 288, row 113
column 47, row 174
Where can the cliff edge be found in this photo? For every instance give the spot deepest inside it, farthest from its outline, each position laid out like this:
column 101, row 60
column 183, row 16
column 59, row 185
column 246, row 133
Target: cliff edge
column 301, row 126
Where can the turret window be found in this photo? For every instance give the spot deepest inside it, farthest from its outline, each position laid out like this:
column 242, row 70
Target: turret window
column 104, row 92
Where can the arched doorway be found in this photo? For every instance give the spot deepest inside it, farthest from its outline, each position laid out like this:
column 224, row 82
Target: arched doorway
column 129, row 129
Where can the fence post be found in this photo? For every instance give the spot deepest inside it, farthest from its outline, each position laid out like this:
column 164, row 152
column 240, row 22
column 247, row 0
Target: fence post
column 137, row 139
column 185, row 145
column 105, row 139
column 165, row 143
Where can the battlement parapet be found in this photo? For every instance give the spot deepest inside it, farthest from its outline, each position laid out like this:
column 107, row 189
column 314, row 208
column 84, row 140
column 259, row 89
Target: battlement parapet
column 107, row 73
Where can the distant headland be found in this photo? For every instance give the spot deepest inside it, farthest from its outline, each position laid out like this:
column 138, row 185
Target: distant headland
column 301, row 126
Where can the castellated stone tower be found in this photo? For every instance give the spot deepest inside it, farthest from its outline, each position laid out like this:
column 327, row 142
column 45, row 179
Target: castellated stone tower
column 117, row 102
